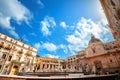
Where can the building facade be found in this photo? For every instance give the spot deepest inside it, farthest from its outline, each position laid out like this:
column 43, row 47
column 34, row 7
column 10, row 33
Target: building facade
column 112, row 12
column 15, row 56
column 47, row 64
column 71, row 64
column 99, row 58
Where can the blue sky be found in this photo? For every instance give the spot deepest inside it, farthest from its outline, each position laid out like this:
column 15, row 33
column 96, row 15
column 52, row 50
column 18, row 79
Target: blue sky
column 57, row 28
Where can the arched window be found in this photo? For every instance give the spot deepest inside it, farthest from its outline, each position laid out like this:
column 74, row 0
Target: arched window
column 93, row 49
column 10, row 57
column 4, row 56
column 15, row 66
column 0, row 66
column 111, row 60
column 112, row 3
column 118, row 13
column 1, row 44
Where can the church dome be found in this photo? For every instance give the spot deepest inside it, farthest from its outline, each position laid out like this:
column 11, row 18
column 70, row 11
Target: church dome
column 93, row 39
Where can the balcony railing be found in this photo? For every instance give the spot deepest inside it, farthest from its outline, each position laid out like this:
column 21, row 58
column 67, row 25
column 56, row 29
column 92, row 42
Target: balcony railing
column 18, row 62
column 28, row 53
column 20, row 52
column 8, row 47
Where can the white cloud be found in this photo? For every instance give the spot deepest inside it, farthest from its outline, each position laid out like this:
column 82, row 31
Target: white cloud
column 75, row 43
column 80, row 37
column 32, row 34
column 52, row 56
column 24, row 37
column 63, row 24
column 37, row 46
column 12, row 9
column 63, row 47
column 5, row 24
column 46, row 24
column 49, row 46
column 73, row 40
column 86, row 26
column 39, row 2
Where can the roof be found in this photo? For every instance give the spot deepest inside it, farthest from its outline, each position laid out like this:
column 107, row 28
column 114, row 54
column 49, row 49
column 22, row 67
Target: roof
column 94, row 39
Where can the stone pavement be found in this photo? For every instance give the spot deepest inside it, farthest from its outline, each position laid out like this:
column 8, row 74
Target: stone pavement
column 83, row 77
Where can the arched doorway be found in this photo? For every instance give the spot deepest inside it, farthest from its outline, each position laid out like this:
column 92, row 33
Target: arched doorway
column 15, row 69
column 86, row 69
column 98, row 66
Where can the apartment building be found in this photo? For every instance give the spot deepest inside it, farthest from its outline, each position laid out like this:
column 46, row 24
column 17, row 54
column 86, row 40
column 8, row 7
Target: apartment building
column 16, row 56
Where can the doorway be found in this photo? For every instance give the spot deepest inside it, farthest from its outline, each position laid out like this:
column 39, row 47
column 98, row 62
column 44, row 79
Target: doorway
column 15, row 69
column 98, row 66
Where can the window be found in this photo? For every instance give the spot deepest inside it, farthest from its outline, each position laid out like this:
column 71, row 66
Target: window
column 118, row 13
column 115, row 46
column 93, row 50
column 113, row 4
column 11, row 40
column 4, row 56
column 0, row 66
column 116, row 19
column 107, row 49
column 111, row 60
column 110, row 47
column 6, row 66
column 10, row 57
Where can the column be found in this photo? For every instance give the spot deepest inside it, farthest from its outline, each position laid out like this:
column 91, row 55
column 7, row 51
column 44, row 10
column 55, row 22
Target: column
column 41, row 66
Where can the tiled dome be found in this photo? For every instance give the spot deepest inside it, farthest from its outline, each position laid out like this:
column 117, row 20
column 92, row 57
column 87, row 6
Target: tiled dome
column 93, row 39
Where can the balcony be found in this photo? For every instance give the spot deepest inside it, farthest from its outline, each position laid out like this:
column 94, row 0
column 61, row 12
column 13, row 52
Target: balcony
column 28, row 53
column 117, row 50
column 7, row 47
column 1, row 44
column 18, row 62
column 14, row 48
column 20, row 51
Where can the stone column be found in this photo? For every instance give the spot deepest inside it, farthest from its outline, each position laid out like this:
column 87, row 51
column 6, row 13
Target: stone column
column 52, row 66
column 93, row 69
column 41, row 66
column 49, row 66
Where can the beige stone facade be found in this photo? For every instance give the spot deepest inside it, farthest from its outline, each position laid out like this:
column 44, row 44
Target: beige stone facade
column 15, row 56
column 112, row 12
column 46, row 64
column 71, row 64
